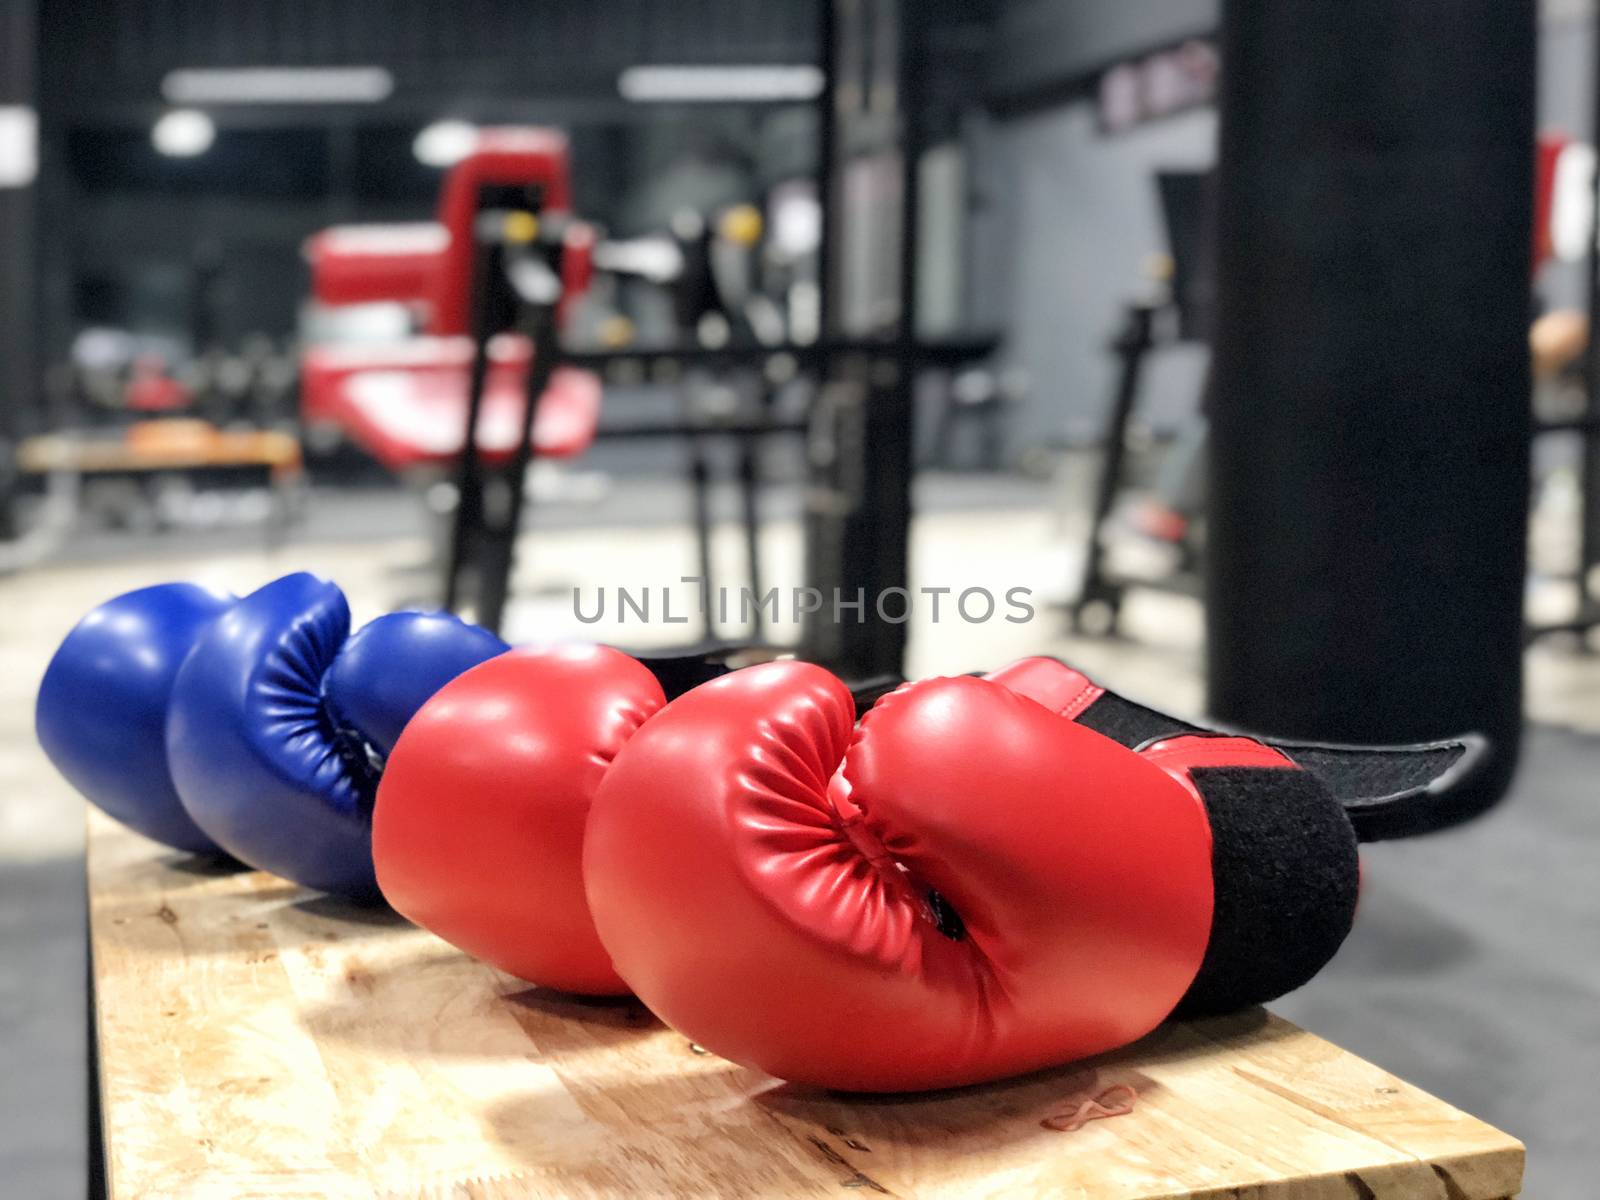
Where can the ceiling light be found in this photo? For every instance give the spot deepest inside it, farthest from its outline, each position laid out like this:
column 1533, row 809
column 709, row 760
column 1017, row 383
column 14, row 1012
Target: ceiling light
column 278, row 85
column 695, row 83
column 19, row 145
column 1572, row 203
column 183, row 133
column 445, row 143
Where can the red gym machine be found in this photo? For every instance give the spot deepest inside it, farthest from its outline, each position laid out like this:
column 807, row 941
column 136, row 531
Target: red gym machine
column 491, row 279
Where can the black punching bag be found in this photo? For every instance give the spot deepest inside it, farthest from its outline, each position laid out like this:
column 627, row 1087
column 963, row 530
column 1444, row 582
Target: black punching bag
column 1370, row 403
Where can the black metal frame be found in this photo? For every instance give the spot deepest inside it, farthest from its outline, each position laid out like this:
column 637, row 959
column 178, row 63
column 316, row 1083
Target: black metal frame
column 1097, row 607
column 489, row 504
column 859, row 519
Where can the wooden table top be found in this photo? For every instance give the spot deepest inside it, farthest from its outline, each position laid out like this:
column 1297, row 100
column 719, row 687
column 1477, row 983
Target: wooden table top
column 258, row 1040
column 161, row 446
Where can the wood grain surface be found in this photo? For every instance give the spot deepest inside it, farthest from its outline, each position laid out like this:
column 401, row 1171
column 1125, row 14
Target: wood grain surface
column 183, row 448
column 258, row 1040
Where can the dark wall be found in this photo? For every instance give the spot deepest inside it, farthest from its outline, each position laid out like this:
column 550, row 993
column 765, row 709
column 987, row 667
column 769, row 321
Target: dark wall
column 1044, row 47
column 1068, row 215
column 17, row 263
column 123, row 227
column 1071, row 218
column 115, row 51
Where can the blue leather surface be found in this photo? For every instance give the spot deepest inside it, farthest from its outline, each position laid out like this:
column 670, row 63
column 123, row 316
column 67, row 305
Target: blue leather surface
column 102, row 706
column 262, row 762
column 391, row 666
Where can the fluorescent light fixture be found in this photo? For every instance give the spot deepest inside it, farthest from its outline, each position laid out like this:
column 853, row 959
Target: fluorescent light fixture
column 1572, row 230
column 445, row 143
column 657, row 84
column 183, row 133
column 278, row 85
column 19, row 145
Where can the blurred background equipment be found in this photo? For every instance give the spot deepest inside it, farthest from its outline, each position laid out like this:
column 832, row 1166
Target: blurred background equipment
column 1178, row 307
column 490, row 280
column 903, row 336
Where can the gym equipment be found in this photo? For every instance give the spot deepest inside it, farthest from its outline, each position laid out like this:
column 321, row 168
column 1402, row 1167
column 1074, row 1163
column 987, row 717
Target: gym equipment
column 150, row 454
column 974, row 397
column 504, row 293
column 1181, row 310
column 502, row 214
column 430, row 264
column 279, row 720
column 149, row 438
column 1178, row 310
column 479, row 819
column 522, row 260
column 973, row 881
column 865, row 371
column 504, row 258
column 402, row 402
column 1370, row 435
column 413, row 404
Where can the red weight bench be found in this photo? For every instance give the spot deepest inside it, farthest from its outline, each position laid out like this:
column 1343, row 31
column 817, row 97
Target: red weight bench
column 405, row 403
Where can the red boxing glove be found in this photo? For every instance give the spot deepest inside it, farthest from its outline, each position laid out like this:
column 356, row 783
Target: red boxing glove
column 985, row 876
column 965, row 887
column 478, row 829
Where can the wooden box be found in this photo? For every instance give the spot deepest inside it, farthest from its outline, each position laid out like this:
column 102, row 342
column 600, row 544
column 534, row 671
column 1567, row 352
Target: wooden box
column 257, row 1040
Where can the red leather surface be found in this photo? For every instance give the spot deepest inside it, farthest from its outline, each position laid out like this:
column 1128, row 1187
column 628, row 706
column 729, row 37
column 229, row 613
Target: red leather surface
column 510, row 157
column 478, row 829
column 406, row 404
column 365, row 264
column 431, row 262
column 1179, row 755
column 1063, row 690
column 760, row 872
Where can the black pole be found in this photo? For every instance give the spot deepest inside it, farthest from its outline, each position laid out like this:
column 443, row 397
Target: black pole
column 700, row 493
column 860, row 502
column 1370, row 425
column 827, row 163
column 750, row 496
column 889, row 481
column 499, row 558
column 485, row 320
column 19, row 326
column 1132, row 346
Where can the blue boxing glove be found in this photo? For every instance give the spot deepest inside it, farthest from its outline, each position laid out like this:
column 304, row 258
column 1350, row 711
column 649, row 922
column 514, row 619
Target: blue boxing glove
column 280, row 720
column 103, row 705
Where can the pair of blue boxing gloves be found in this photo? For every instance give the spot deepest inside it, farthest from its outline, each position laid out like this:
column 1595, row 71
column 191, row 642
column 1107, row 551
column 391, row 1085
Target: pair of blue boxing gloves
column 254, row 727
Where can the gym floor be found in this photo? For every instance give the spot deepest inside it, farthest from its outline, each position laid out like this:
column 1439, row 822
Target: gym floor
column 1464, row 973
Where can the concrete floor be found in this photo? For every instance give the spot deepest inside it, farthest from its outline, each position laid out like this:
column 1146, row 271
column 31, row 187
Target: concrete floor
column 1473, row 970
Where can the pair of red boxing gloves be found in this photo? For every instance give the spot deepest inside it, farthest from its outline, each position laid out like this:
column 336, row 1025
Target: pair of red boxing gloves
column 970, row 878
